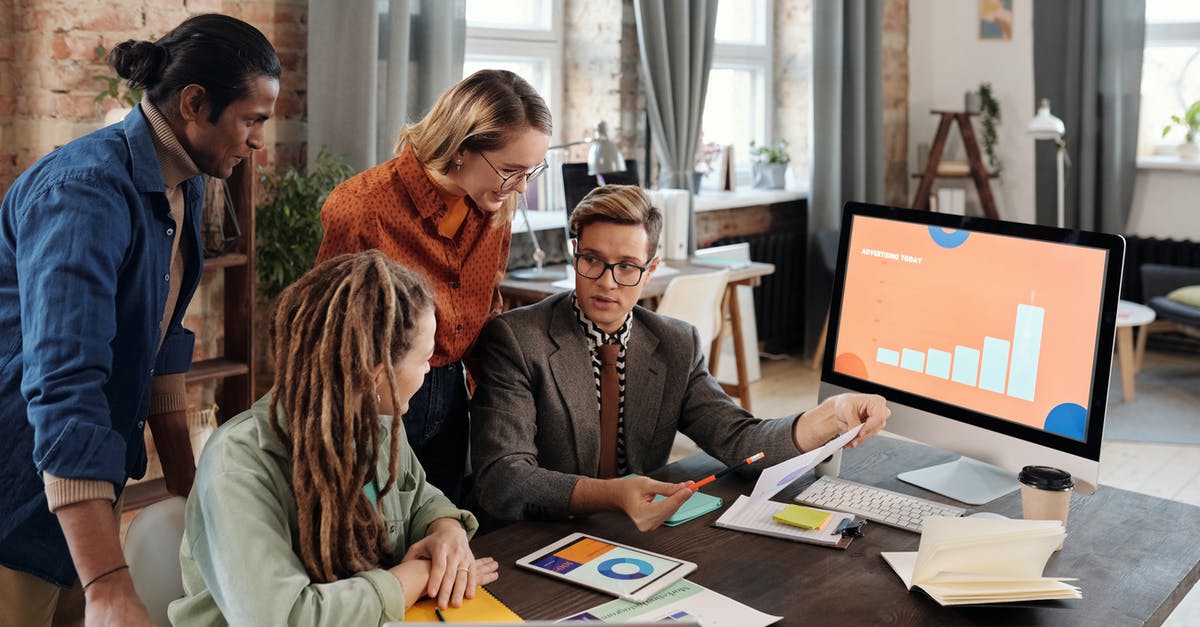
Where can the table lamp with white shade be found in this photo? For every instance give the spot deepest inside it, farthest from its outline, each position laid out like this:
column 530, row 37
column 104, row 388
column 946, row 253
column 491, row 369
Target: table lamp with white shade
column 603, row 158
column 1044, row 125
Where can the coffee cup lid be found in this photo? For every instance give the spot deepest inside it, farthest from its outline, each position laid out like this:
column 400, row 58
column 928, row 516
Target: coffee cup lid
column 1046, row 478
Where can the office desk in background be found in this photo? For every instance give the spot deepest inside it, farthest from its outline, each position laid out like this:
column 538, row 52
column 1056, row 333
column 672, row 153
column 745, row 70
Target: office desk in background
column 517, row 293
column 1136, row 556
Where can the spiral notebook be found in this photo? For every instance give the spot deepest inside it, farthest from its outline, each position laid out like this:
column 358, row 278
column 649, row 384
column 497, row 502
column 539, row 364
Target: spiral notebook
column 485, row 607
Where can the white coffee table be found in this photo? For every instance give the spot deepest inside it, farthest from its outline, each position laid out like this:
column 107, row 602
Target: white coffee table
column 1129, row 316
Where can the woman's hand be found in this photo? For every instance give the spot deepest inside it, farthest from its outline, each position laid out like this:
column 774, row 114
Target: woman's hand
column 414, row 577
column 452, row 566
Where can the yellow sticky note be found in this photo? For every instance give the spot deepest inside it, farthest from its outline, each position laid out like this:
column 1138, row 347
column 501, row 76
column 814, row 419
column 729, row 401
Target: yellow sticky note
column 804, row 517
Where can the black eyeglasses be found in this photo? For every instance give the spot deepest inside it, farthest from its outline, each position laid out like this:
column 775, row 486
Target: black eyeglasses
column 624, row 273
column 509, row 182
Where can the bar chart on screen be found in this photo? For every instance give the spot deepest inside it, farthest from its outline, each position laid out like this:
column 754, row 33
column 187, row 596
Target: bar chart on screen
column 1002, row 366
column 1010, row 346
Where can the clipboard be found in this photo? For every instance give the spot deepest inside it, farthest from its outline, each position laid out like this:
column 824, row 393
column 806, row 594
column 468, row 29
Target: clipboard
column 755, row 517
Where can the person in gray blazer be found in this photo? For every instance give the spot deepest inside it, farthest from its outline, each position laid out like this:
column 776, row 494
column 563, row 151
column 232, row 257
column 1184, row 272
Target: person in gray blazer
column 542, row 444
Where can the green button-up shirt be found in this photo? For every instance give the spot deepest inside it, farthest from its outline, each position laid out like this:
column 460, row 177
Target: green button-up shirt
column 239, row 555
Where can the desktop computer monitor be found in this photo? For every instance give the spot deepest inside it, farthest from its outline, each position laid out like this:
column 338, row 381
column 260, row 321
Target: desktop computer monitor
column 990, row 339
column 577, row 182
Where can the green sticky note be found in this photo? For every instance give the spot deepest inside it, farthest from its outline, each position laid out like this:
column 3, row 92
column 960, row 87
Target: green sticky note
column 800, row 516
column 698, row 505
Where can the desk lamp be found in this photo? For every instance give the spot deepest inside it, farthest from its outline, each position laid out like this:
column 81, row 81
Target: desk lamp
column 604, row 157
column 1046, row 126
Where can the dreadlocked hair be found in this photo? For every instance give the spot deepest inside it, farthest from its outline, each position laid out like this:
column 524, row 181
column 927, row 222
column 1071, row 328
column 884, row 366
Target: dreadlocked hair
column 329, row 330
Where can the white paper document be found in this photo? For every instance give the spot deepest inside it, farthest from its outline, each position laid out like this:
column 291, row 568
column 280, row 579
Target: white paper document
column 963, row 561
column 755, row 517
column 683, row 602
column 777, row 477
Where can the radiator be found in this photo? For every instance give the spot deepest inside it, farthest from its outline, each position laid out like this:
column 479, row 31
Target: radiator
column 779, row 300
column 1143, row 250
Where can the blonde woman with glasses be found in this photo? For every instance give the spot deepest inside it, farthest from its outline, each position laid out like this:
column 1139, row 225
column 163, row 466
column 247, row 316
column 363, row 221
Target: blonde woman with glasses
column 443, row 208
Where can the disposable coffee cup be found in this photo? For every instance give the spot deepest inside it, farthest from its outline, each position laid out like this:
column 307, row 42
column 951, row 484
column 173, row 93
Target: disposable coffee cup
column 1045, row 493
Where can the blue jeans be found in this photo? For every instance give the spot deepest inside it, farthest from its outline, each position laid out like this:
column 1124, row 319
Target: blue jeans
column 437, row 427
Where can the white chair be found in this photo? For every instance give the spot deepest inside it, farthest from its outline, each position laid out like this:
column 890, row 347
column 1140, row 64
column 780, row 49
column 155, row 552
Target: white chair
column 697, row 299
column 152, row 552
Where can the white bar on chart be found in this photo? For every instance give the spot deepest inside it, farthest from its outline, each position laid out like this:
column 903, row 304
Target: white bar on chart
column 1026, row 348
column 966, row 366
column 938, row 363
column 912, row 360
column 994, row 364
column 887, row 357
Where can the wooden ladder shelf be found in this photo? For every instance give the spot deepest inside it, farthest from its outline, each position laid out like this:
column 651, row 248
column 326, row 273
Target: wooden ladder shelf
column 974, row 159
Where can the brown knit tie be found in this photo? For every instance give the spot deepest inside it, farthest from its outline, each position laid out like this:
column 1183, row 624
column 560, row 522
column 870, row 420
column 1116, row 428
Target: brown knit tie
column 610, row 402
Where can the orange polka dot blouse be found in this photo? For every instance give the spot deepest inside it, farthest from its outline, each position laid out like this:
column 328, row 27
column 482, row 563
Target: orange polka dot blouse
column 396, row 208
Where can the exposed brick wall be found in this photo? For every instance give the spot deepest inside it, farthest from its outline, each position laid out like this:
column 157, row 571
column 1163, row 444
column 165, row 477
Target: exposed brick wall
column 47, row 61
column 599, row 73
column 793, row 76
column 895, row 102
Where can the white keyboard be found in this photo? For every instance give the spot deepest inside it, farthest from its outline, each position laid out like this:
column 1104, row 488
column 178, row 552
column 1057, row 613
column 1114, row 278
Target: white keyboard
column 874, row 504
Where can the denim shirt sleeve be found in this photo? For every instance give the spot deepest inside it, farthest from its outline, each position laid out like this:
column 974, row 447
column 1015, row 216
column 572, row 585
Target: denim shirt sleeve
column 71, row 244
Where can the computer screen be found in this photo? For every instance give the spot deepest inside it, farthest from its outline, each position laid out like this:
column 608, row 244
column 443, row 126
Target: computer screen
column 991, row 339
column 577, row 182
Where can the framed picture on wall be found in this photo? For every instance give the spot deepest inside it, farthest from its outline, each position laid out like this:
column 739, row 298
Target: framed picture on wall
column 995, row 19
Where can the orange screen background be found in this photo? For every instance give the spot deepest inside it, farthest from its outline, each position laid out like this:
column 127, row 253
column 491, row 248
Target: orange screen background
column 956, row 296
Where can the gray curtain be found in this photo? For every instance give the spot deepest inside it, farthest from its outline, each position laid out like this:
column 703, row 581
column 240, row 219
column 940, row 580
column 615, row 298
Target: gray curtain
column 1088, row 62
column 847, row 130
column 676, row 41
column 847, row 99
column 381, row 64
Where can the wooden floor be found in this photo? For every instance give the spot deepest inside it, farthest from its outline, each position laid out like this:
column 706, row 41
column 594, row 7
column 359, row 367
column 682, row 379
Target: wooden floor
column 789, row 385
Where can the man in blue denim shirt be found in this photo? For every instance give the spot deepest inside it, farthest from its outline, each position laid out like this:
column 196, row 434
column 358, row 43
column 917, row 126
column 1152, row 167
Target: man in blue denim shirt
column 99, row 255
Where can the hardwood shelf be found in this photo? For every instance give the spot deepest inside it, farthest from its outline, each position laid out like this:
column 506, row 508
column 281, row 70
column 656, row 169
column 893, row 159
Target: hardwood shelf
column 218, row 368
column 965, row 175
column 228, row 260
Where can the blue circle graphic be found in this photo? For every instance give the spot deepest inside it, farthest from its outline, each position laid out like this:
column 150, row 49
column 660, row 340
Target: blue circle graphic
column 952, row 239
column 606, row 568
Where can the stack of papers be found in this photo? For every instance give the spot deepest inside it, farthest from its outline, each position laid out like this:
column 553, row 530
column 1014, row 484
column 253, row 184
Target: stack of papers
column 963, row 561
column 757, row 517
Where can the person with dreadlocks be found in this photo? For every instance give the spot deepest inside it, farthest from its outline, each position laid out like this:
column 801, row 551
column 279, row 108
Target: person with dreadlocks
column 310, row 508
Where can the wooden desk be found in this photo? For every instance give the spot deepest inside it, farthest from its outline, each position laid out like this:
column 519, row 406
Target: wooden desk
column 517, row 292
column 1135, row 556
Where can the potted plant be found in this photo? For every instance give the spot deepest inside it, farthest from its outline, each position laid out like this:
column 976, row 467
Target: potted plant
column 288, row 220
column 1190, row 121
column 989, row 107
column 770, row 164
column 125, row 99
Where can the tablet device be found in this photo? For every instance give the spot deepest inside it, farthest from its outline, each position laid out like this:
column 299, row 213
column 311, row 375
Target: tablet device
column 607, row 566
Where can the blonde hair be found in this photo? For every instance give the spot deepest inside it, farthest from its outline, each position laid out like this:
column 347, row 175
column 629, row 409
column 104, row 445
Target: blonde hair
column 329, row 330
column 619, row 204
column 482, row 112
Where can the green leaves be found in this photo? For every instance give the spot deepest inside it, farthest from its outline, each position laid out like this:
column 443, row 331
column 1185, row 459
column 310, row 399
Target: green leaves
column 288, row 220
column 128, row 97
column 1190, row 121
column 774, row 153
column 990, row 108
